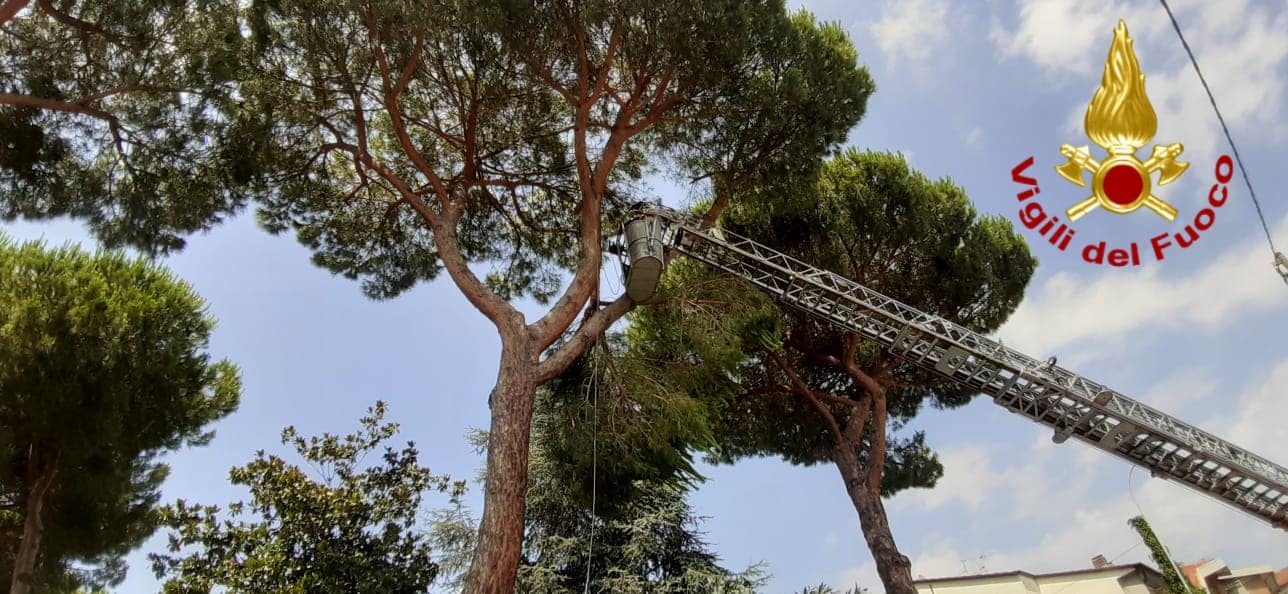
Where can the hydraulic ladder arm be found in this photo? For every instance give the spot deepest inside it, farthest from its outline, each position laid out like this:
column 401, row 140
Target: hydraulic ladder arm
column 1070, row 404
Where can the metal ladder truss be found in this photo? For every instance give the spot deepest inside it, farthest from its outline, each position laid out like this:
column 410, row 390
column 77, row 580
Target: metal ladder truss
column 1068, row 403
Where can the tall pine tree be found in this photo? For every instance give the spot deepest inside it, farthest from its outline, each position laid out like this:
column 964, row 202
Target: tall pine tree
column 401, row 139
column 773, row 381
column 103, row 367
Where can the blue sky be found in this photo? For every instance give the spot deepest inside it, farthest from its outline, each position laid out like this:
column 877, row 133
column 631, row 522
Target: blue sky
column 966, row 91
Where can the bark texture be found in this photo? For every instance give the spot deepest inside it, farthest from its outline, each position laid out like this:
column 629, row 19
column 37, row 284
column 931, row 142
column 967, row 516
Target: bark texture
column 500, row 542
column 864, row 431
column 893, row 567
column 40, row 477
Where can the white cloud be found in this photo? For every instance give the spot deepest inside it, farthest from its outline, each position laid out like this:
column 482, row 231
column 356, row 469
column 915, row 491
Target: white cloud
column 1072, row 537
column 1242, row 50
column 1067, row 36
column 1183, row 388
column 975, row 136
column 912, row 30
column 1258, row 426
column 1244, row 65
column 962, row 479
column 975, row 477
column 1107, row 308
column 1066, row 535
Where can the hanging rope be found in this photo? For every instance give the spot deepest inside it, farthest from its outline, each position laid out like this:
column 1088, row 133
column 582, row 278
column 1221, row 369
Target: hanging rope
column 1280, row 262
column 593, row 389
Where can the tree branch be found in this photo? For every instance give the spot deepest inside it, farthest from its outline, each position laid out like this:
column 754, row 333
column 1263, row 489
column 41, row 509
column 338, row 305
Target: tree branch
column 800, row 387
column 770, row 389
column 717, row 208
column 399, row 125
column 10, row 8
column 586, row 334
column 437, row 130
column 659, row 106
column 69, row 20
column 54, row 105
column 469, row 134
column 583, row 59
column 877, row 448
column 602, row 75
column 405, row 78
column 761, row 154
column 86, row 100
column 548, row 329
column 823, row 396
column 543, row 72
column 498, row 310
column 359, row 120
column 446, row 240
column 593, row 182
column 854, row 427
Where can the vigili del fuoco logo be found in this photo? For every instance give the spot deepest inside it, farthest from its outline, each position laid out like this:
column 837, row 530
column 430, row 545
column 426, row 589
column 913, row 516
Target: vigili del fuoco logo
column 1120, row 120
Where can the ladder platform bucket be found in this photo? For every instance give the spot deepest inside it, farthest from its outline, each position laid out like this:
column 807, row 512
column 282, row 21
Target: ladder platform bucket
column 644, row 249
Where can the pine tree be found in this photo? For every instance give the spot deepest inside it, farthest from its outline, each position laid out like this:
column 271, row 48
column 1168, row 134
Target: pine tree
column 103, row 368
column 398, row 140
column 768, row 380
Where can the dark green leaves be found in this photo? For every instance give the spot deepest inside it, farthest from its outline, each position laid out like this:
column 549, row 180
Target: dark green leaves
column 646, row 539
column 873, row 219
column 103, row 366
column 353, row 123
column 119, row 336
column 346, row 525
column 769, row 130
column 111, row 113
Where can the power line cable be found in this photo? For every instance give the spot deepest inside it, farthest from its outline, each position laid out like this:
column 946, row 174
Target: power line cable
column 1111, row 562
column 1280, row 262
column 1131, row 490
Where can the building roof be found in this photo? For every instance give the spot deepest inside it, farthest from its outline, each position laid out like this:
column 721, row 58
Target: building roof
column 1108, row 568
column 1204, row 566
column 1217, row 569
column 1247, row 572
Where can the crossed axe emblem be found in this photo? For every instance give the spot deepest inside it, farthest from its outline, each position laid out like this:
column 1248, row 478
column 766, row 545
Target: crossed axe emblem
column 1121, row 183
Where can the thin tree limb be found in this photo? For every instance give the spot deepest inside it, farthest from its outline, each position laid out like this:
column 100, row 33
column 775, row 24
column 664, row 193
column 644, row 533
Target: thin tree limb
column 585, row 335
column 21, row 100
column 10, row 8
column 66, row 19
column 800, row 387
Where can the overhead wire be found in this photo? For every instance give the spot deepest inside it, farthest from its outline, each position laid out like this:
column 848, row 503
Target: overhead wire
column 1280, row 262
column 1131, row 490
column 1111, row 562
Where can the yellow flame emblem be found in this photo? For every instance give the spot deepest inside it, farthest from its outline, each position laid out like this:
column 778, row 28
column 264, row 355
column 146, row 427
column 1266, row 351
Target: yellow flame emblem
column 1120, row 120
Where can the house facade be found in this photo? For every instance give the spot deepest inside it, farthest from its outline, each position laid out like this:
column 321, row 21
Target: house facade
column 1136, row 578
column 1218, row 578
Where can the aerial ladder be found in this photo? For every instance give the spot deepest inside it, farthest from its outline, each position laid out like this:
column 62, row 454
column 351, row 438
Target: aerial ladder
column 1071, row 405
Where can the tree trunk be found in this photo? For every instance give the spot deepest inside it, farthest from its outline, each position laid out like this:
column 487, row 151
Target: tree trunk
column 500, row 538
column 893, row 567
column 39, row 479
